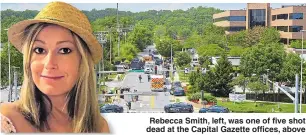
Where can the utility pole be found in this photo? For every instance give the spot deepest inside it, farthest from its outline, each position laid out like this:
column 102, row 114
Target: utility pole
column 118, row 30
column 296, row 98
column 110, row 45
column 302, row 59
column 15, row 82
column 9, row 79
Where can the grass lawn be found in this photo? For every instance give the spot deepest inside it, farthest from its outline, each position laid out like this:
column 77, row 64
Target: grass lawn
column 262, row 107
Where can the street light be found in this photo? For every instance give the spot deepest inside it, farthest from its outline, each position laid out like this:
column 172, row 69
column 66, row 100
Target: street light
column 301, row 93
column 9, row 61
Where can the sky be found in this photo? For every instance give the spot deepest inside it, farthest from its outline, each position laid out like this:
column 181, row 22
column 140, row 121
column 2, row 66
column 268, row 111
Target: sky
column 138, row 7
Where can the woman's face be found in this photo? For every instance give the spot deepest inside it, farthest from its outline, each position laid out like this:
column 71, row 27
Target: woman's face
column 55, row 61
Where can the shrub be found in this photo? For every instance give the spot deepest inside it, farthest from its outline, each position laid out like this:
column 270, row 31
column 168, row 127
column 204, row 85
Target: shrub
column 210, row 98
column 194, row 96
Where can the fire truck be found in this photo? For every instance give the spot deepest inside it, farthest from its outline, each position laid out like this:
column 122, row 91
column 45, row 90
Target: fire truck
column 157, row 83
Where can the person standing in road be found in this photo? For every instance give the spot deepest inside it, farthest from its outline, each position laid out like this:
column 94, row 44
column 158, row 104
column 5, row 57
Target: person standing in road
column 58, row 93
column 139, row 77
column 149, row 77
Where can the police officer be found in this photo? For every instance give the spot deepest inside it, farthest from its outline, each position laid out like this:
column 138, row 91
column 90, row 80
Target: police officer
column 139, row 77
column 149, row 77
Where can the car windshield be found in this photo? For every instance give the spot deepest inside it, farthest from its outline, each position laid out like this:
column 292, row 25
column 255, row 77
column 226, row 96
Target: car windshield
column 178, row 89
column 177, row 83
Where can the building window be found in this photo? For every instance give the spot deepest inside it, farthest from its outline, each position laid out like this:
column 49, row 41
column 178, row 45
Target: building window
column 236, row 28
column 295, row 28
column 230, row 18
column 257, row 17
column 283, row 40
column 282, row 28
column 282, row 17
column 296, row 16
column 273, row 17
column 236, row 18
column 220, row 19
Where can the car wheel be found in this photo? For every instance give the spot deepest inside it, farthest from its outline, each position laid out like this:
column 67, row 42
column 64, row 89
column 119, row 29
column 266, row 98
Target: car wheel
column 166, row 111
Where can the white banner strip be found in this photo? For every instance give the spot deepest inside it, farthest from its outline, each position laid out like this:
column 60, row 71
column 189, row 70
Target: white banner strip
column 208, row 124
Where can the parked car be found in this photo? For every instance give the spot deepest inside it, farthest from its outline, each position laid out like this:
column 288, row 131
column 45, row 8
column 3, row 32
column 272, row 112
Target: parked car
column 180, row 107
column 111, row 108
column 176, row 84
column 214, row 109
column 177, row 91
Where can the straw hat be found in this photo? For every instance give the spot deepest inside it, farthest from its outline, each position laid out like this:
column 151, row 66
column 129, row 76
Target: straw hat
column 64, row 15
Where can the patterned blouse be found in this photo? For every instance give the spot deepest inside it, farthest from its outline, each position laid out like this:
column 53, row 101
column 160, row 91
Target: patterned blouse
column 6, row 125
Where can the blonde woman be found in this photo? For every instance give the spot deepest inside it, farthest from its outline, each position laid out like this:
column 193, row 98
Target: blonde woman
column 59, row 91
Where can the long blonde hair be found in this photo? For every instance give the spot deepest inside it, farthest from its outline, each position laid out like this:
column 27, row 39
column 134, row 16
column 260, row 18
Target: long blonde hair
column 82, row 100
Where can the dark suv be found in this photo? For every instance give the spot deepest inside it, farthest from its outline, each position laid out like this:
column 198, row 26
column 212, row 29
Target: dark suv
column 111, row 108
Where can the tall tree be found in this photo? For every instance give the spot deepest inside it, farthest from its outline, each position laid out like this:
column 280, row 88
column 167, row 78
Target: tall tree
column 141, row 36
column 263, row 59
column 290, row 67
column 16, row 60
column 257, row 87
column 223, row 77
column 164, row 46
column 182, row 58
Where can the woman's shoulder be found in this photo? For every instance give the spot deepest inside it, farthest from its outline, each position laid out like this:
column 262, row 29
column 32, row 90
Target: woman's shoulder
column 9, row 109
column 105, row 127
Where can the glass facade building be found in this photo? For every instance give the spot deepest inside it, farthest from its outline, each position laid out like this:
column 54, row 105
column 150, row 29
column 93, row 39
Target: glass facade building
column 257, row 17
column 230, row 18
column 288, row 20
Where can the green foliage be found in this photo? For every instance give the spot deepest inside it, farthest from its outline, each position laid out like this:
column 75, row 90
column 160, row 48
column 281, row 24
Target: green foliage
column 210, row 98
column 264, row 107
column 128, row 51
column 223, row 77
column 194, row 96
column 257, row 86
column 241, row 81
column 253, row 35
column 204, row 61
column 193, row 41
column 164, row 46
column 16, row 60
column 298, row 44
column 182, row 58
column 210, row 50
column 214, row 35
column 263, row 35
column 237, row 39
column 269, row 35
column 291, row 67
column 236, row 51
column 259, row 58
column 160, row 31
column 141, row 36
column 193, row 78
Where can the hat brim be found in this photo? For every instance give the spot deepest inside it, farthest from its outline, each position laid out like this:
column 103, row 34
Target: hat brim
column 16, row 33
